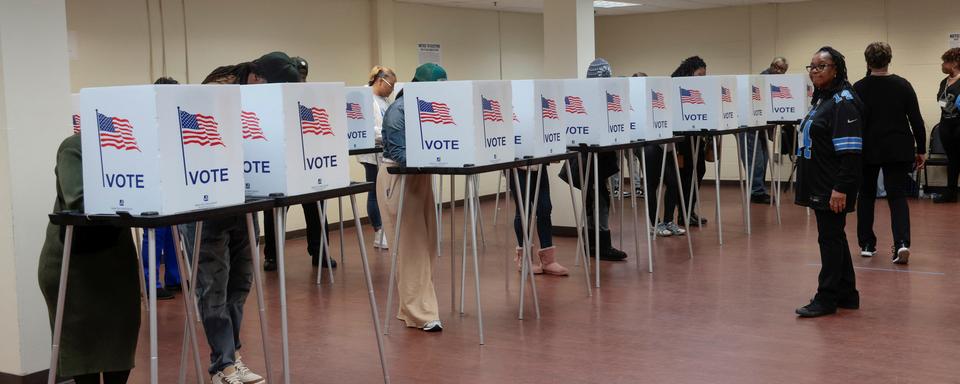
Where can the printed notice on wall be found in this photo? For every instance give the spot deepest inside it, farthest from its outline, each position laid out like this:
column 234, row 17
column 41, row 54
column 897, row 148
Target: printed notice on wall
column 429, row 53
column 953, row 40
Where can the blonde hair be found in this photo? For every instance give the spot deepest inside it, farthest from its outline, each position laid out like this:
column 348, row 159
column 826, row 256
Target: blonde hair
column 379, row 72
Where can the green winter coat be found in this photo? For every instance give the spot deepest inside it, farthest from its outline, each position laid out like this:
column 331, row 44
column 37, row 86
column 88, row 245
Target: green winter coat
column 101, row 320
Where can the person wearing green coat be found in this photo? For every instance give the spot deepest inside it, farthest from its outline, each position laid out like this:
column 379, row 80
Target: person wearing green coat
column 101, row 318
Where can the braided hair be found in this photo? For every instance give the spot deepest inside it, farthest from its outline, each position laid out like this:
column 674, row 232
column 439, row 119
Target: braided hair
column 231, row 74
column 688, row 66
column 841, row 81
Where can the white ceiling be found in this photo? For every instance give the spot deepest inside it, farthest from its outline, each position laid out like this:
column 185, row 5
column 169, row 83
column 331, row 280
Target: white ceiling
column 647, row 6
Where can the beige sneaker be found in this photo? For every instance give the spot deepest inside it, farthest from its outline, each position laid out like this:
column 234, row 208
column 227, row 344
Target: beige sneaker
column 227, row 376
column 245, row 375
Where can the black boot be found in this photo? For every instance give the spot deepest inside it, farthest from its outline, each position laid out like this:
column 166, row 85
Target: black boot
column 269, row 264
column 607, row 251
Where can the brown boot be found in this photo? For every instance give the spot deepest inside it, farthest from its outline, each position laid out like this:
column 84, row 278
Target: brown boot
column 549, row 260
column 536, row 265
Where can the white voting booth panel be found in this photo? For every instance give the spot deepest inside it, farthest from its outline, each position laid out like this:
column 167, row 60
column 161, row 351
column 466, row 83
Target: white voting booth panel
column 295, row 138
column 787, row 97
column 751, row 109
column 537, row 128
column 360, row 119
column 75, row 113
column 728, row 102
column 161, row 148
column 596, row 111
column 457, row 123
column 651, row 104
column 698, row 104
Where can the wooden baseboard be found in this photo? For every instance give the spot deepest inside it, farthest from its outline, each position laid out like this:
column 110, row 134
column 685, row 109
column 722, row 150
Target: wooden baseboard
column 33, row 378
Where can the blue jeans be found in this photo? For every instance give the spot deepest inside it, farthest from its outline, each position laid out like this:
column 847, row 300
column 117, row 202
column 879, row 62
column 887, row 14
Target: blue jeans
column 166, row 252
column 760, row 167
column 373, row 208
column 544, row 208
column 224, row 276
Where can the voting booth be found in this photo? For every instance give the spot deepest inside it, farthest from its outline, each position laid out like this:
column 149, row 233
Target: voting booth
column 160, row 148
column 596, row 111
column 538, row 131
column 787, row 97
column 698, row 103
column 728, row 102
column 294, row 138
column 360, row 120
column 457, row 123
column 651, row 103
column 751, row 109
column 75, row 112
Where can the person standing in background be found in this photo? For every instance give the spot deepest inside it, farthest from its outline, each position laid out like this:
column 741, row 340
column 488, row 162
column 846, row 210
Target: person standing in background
column 692, row 66
column 381, row 79
column 894, row 140
column 828, row 175
column 758, row 189
column 948, row 96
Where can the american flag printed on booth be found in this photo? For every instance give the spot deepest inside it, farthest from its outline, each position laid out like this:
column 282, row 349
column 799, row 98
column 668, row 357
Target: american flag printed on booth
column 656, row 100
column 613, row 103
column 755, row 93
column 200, row 129
column 433, row 112
column 725, row 95
column 354, row 111
column 780, row 92
column 491, row 110
column 548, row 108
column 250, row 123
column 315, row 121
column 76, row 123
column 574, row 104
column 116, row 133
column 691, row 96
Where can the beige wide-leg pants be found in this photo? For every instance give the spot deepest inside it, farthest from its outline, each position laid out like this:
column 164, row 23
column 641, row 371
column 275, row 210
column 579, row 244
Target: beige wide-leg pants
column 418, row 244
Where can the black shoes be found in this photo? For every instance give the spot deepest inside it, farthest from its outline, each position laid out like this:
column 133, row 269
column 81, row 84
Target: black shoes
column 269, row 265
column 695, row 221
column 947, row 197
column 607, row 251
column 315, row 260
column 868, row 250
column 163, row 294
column 760, row 199
column 852, row 302
column 173, row 287
column 816, row 309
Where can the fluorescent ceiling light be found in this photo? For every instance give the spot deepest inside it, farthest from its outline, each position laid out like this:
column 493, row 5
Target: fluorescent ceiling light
column 613, row 4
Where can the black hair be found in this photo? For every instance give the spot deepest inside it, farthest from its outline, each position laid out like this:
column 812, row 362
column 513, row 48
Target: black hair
column 240, row 72
column 688, row 66
column 166, row 80
column 841, row 81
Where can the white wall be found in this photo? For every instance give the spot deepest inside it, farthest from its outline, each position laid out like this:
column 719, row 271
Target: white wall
column 34, row 103
column 740, row 40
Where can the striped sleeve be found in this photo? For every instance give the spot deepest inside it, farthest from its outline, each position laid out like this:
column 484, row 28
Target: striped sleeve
column 847, row 128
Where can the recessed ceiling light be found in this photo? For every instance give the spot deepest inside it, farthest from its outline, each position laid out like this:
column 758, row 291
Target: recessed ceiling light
column 613, row 4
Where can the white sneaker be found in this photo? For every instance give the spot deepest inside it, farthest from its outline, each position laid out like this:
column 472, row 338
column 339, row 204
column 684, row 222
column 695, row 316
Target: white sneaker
column 676, row 230
column 245, row 375
column 433, row 326
column 227, row 376
column 380, row 239
column 662, row 230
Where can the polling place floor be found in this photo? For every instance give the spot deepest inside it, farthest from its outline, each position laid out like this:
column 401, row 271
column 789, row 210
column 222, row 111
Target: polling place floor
column 724, row 317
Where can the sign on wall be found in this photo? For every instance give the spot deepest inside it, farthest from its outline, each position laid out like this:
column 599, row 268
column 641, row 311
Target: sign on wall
column 429, row 53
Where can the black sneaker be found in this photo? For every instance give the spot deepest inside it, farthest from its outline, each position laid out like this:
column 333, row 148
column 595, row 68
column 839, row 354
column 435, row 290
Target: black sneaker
column 815, row 309
column 639, row 193
column 163, row 294
column 949, row 197
column 173, row 287
column 269, row 265
column 695, row 221
column 323, row 263
column 612, row 254
column 868, row 250
column 760, row 199
column 851, row 302
column 901, row 254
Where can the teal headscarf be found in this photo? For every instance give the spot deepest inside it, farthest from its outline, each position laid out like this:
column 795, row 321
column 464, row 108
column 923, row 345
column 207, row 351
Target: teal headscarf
column 430, row 72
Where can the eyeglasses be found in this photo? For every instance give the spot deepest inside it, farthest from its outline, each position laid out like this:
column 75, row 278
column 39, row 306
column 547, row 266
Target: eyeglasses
column 819, row 68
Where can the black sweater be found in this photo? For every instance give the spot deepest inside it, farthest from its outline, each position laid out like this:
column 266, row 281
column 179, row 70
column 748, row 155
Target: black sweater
column 893, row 130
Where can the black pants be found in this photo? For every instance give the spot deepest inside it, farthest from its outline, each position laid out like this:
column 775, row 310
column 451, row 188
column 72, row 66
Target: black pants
column 950, row 136
column 119, row 377
column 671, row 198
column 837, row 280
column 544, row 207
column 685, row 153
column 311, row 214
column 896, row 180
